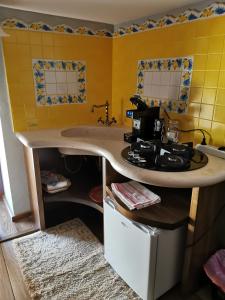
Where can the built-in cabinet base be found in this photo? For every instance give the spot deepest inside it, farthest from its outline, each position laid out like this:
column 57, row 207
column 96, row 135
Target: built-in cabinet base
column 202, row 208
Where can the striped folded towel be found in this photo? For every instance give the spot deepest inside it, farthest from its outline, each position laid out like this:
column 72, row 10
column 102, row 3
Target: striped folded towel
column 134, row 195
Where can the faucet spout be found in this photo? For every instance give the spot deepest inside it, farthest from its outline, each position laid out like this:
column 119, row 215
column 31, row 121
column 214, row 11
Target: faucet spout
column 106, row 105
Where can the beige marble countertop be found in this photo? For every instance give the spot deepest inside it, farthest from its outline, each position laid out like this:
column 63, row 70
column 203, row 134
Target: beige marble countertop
column 108, row 142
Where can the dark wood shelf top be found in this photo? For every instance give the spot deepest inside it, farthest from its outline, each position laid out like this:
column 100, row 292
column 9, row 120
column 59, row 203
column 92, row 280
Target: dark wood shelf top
column 170, row 213
column 73, row 195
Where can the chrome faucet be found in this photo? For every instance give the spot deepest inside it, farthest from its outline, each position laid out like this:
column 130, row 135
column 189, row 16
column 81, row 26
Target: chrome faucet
column 107, row 121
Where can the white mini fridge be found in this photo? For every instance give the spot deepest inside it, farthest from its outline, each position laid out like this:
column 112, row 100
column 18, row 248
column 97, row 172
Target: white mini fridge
column 148, row 259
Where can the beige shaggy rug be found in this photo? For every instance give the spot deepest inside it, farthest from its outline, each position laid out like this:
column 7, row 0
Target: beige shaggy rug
column 67, row 262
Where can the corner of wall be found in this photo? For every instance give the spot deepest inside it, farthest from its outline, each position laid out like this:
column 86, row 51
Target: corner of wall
column 11, row 154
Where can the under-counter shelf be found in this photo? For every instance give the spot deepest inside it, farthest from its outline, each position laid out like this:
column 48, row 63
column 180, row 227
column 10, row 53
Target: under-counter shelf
column 75, row 195
column 84, row 172
column 170, row 213
column 207, row 199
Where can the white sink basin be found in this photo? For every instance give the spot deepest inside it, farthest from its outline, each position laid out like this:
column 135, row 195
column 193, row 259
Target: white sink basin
column 94, row 132
column 90, row 132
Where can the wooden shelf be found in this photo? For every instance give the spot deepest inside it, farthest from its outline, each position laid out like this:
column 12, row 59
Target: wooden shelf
column 172, row 212
column 82, row 181
column 72, row 195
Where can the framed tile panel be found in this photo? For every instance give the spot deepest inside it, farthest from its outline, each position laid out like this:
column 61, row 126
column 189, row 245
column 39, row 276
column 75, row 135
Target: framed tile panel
column 59, row 82
column 165, row 82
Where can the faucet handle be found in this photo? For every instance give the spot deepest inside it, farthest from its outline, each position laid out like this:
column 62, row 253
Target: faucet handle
column 100, row 120
column 113, row 120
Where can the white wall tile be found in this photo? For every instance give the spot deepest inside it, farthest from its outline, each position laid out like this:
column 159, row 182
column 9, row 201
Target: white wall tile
column 173, row 92
column 62, row 88
column 71, row 77
column 147, row 78
column 72, row 88
column 175, row 78
column 50, row 88
column 155, row 91
column 164, row 91
column 156, row 78
column 50, row 77
column 162, row 85
column 146, row 90
column 165, row 78
column 60, row 77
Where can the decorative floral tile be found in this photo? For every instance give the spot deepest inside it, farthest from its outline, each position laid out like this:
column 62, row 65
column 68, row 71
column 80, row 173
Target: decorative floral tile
column 81, row 30
column 61, row 28
column 166, row 21
column 186, row 78
column 165, row 82
column 189, row 15
column 59, row 81
column 184, row 94
column 40, row 26
column 14, row 23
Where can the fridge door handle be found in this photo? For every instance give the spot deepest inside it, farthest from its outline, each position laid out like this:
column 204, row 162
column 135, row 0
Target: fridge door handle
column 142, row 227
column 109, row 201
column 124, row 224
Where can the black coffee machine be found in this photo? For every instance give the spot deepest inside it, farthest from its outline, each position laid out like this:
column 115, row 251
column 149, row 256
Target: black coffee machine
column 147, row 124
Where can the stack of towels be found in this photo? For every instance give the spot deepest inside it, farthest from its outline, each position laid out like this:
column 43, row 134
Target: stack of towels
column 134, row 195
column 54, row 183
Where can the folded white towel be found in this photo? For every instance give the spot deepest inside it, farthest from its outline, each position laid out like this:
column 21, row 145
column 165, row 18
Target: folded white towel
column 58, row 185
column 54, row 182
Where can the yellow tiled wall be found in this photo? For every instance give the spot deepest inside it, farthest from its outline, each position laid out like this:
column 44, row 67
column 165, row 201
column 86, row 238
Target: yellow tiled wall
column 112, row 73
column 23, row 45
column 205, row 40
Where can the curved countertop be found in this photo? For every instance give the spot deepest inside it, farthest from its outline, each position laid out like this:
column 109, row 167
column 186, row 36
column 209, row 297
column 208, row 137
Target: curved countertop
column 110, row 147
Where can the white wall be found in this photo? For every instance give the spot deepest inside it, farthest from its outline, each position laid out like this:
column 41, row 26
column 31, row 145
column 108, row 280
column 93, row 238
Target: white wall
column 11, row 153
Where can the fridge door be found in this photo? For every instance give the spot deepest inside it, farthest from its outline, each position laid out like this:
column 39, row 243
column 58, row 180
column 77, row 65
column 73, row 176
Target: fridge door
column 130, row 248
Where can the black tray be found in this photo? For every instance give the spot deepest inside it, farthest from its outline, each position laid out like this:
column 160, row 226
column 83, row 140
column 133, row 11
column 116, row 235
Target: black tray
column 198, row 160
